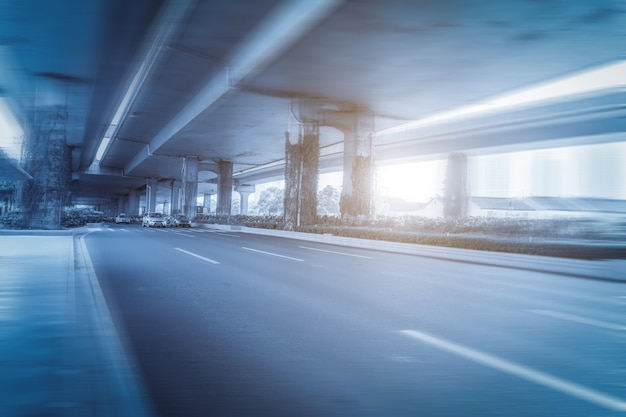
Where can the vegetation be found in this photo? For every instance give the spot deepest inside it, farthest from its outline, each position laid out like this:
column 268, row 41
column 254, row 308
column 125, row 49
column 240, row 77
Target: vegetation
column 70, row 217
column 587, row 239
column 270, row 202
column 12, row 220
column 76, row 217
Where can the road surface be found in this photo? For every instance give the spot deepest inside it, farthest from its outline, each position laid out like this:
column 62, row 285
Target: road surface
column 233, row 324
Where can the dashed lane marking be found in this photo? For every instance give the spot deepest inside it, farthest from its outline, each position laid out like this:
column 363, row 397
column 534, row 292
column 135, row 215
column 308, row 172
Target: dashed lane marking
column 184, row 234
column 272, row 254
column 520, row 371
column 335, row 252
column 197, row 256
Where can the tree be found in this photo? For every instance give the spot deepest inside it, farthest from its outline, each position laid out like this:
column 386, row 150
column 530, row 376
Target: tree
column 271, row 202
column 328, row 201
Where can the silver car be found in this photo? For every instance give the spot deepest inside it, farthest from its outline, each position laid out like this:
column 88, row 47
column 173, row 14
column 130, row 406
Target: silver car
column 178, row 220
column 122, row 218
column 153, row 220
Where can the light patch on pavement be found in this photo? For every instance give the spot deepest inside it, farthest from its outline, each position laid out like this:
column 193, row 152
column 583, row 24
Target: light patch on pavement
column 272, row 254
column 580, row 319
column 197, row 256
column 521, row 371
column 336, row 253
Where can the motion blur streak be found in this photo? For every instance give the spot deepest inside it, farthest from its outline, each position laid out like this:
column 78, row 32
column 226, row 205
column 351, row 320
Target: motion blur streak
column 521, row 371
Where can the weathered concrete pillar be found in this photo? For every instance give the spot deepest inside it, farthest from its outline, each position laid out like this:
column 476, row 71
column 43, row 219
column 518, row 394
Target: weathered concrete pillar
column 190, row 186
column 455, row 192
column 143, row 205
column 209, row 190
column 301, row 176
column 244, row 191
column 293, row 158
column 151, row 194
column 175, row 196
column 302, row 151
column 47, row 157
column 224, row 187
column 206, row 202
column 132, row 207
column 358, row 166
column 310, row 145
column 121, row 204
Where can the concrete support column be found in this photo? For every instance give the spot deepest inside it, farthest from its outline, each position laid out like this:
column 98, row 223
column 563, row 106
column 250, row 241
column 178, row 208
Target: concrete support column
column 47, row 157
column 358, row 166
column 293, row 161
column 456, row 186
column 302, row 152
column 190, row 186
column 175, row 196
column 244, row 191
column 151, row 194
column 206, row 203
column 224, row 187
column 301, row 176
column 121, row 204
column 210, row 190
column 132, row 207
column 143, row 205
column 310, row 145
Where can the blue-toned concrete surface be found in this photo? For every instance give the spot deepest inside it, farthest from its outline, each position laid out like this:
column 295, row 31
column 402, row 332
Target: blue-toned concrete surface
column 59, row 353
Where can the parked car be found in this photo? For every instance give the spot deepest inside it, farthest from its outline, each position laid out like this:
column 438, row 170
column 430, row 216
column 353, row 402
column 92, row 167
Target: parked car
column 153, row 220
column 177, row 220
column 122, row 218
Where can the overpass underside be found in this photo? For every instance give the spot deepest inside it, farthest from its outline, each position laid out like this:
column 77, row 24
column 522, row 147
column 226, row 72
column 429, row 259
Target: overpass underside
column 592, row 118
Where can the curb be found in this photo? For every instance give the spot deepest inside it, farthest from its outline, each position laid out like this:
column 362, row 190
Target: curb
column 613, row 270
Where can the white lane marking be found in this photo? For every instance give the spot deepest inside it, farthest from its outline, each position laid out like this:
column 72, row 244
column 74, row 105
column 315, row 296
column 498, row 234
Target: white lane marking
column 227, row 235
column 335, row 252
column 197, row 256
column 124, row 230
column 521, row 371
column 216, row 232
column 184, row 234
column 272, row 254
column 579, row 319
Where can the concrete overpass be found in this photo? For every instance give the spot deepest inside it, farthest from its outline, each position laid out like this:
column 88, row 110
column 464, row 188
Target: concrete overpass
column 153, row 95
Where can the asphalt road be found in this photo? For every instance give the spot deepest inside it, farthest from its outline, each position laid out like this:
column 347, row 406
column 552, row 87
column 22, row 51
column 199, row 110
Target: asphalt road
column 230, row 324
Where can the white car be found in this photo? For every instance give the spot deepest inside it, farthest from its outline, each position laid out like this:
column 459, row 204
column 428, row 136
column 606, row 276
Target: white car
column 122, row 218
column 153, row 220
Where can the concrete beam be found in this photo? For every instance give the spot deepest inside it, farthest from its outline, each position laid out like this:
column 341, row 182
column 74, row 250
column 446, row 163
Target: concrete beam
column 275, row 35
column 599, row 118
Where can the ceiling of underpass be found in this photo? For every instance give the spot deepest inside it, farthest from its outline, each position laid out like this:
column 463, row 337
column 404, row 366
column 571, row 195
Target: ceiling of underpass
column 214, row 79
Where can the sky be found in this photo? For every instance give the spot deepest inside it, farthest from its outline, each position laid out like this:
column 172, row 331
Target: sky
column 10, row 132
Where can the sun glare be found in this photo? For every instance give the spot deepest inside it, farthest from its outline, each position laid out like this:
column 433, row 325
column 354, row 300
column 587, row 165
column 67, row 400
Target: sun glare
column 418, row 182
column 11, row 134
